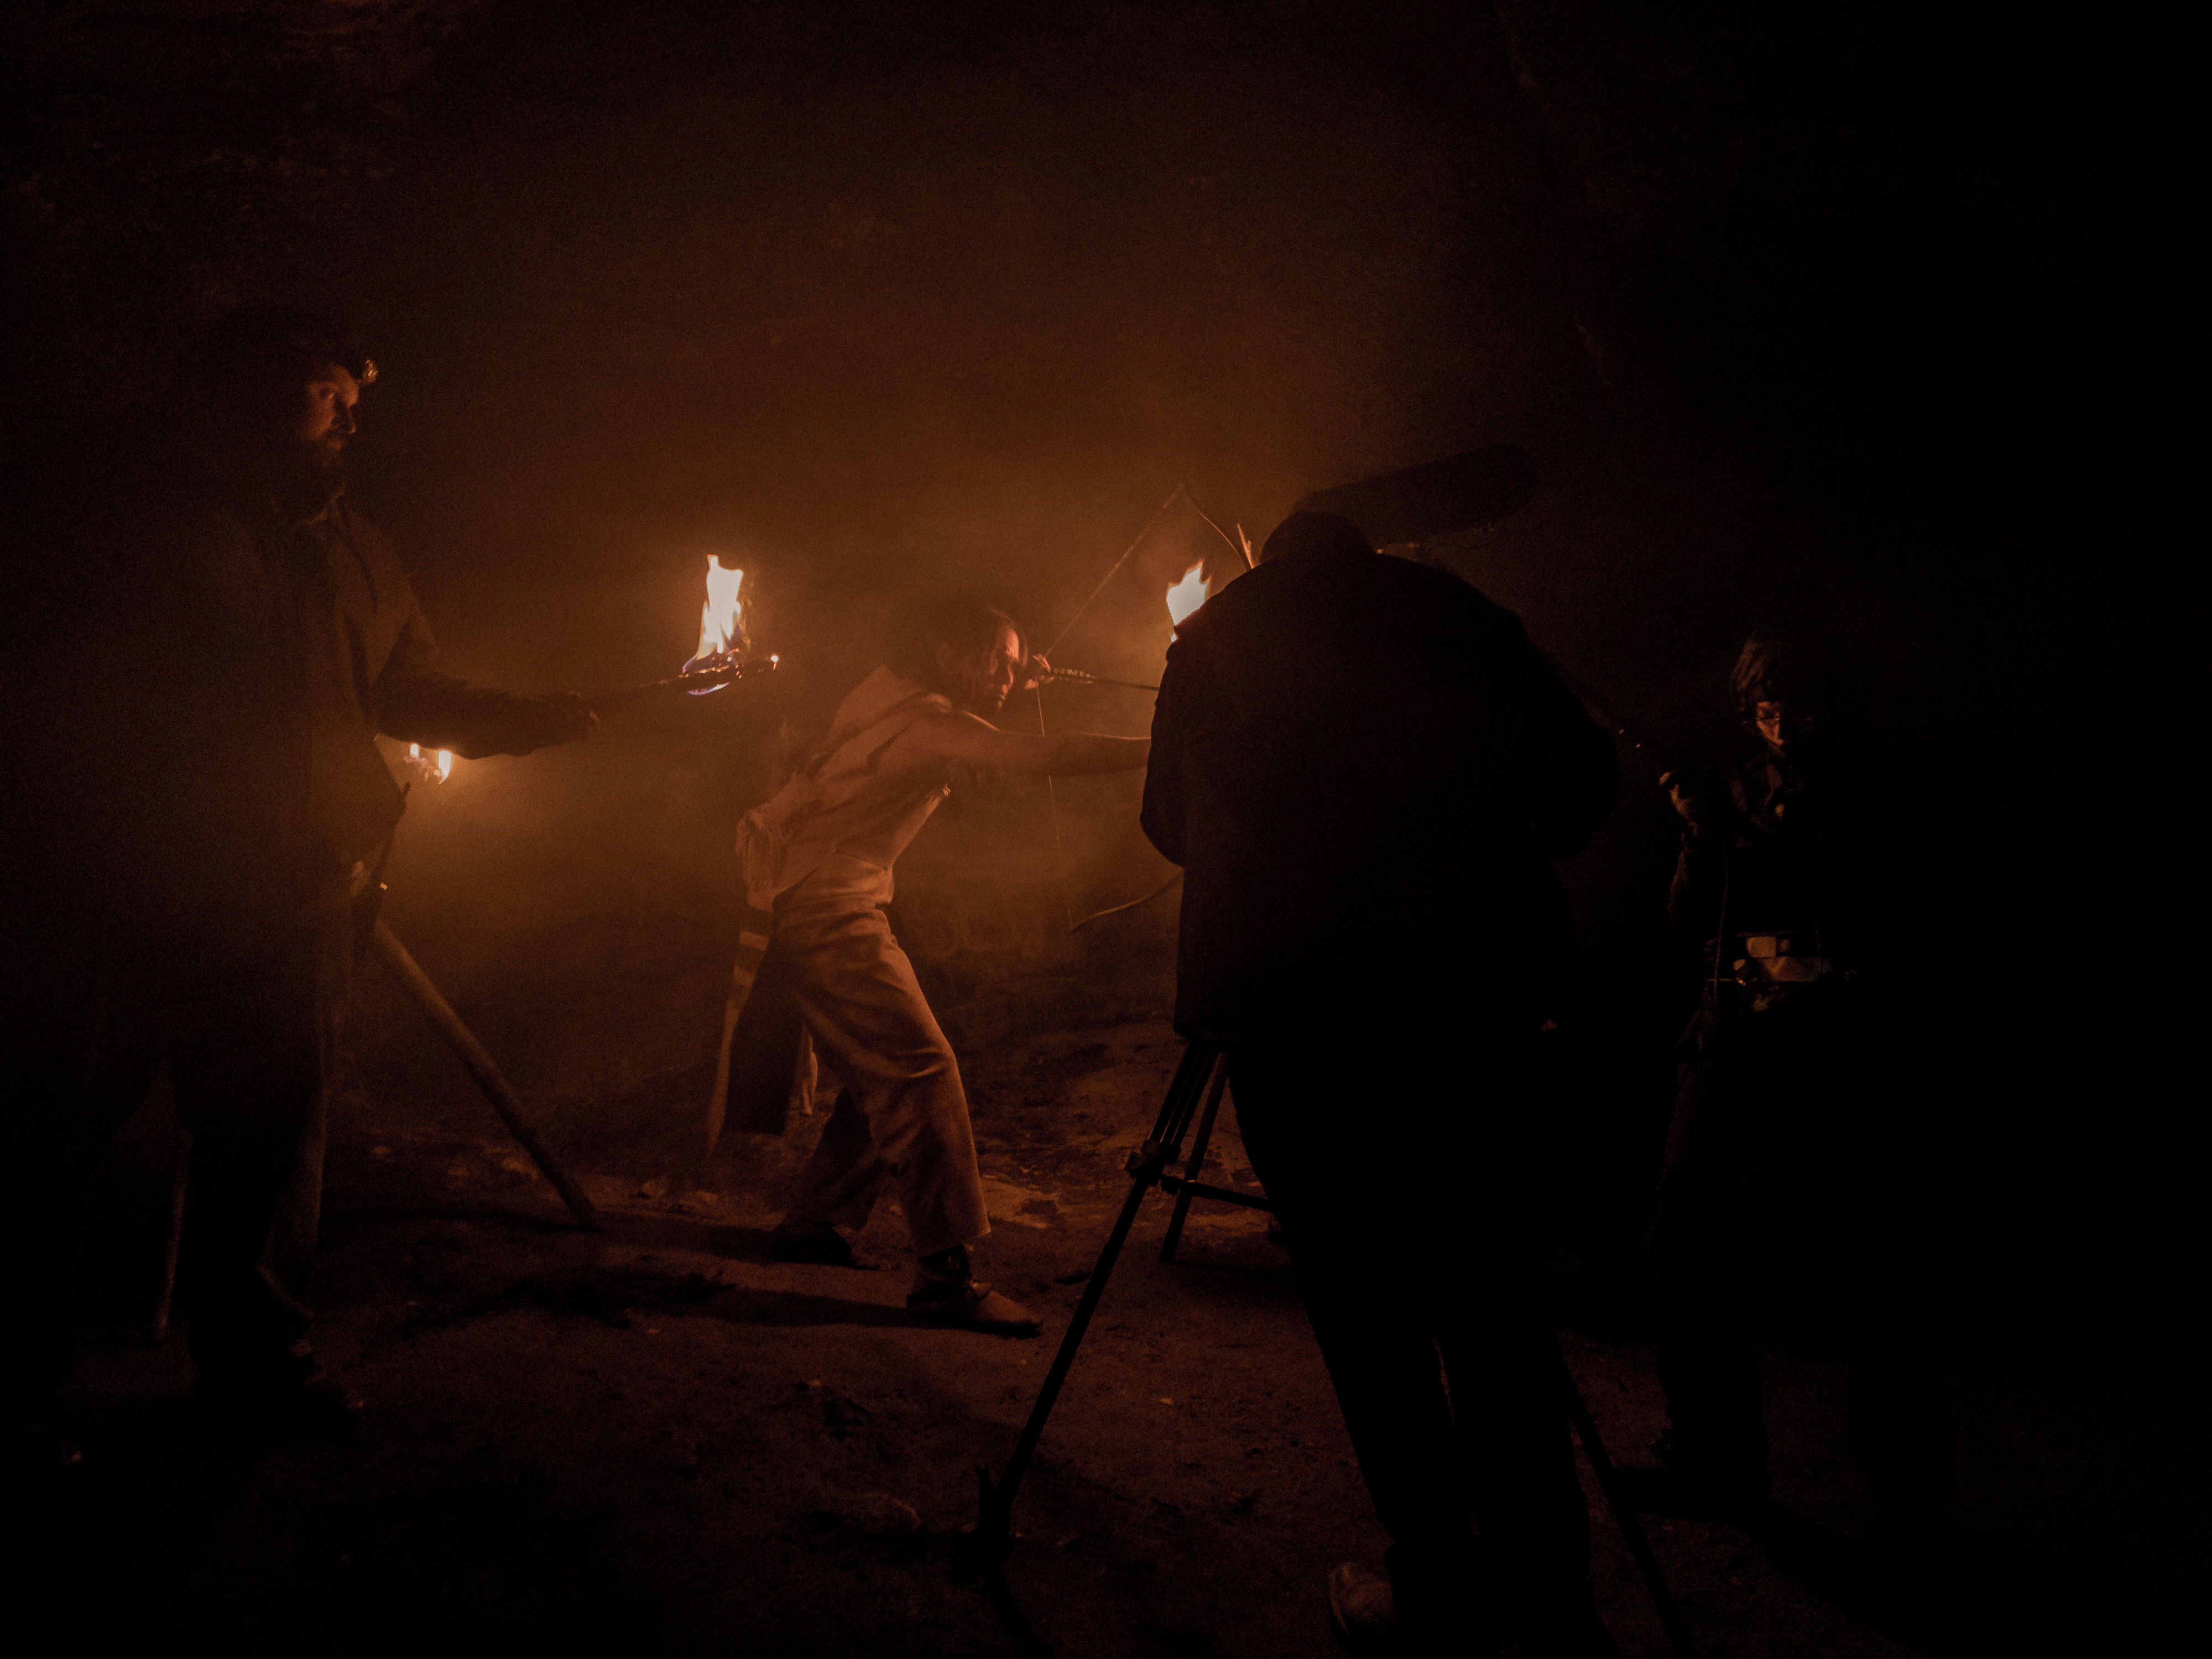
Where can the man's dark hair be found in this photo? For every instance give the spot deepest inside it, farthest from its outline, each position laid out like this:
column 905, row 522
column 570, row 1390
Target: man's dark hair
column 1792, row 663
column 964, row 626
column 257, row 357
column 1315, row 533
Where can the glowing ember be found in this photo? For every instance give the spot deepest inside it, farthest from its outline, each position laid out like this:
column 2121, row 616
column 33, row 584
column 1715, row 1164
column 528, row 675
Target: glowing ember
column 721, row 632
column 1186, row 595
column 437, row 770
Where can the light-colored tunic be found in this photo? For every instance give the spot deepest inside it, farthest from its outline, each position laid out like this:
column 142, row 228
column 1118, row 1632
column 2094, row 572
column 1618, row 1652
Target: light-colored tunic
column 820, row 855
column 838, row 802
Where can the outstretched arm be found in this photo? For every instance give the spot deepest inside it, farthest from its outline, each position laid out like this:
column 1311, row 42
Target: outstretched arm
column 414, row 702
column 978, row 742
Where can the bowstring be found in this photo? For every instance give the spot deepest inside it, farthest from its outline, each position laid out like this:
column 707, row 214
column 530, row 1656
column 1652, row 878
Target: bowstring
column 1052, row 810
column 1240, row 548
column 1051, row 792
column 1069, row 626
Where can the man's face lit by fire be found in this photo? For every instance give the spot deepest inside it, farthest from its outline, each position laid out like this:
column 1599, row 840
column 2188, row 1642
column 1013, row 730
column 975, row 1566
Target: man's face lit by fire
column 981, row 683
column 325, row 417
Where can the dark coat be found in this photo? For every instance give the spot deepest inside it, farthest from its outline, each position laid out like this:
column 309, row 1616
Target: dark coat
column 1366, row 771
column 1793, row 850
column 195, row 679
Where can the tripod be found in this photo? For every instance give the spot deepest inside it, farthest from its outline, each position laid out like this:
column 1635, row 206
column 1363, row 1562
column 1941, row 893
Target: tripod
column 1197, row 1088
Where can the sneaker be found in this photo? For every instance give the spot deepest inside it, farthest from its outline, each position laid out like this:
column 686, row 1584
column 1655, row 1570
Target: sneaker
column 44, row 1444
column 1362, row 1611
column 810, row 1241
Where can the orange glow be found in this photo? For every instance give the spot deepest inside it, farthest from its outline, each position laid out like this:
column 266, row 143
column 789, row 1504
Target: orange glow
column 1186, row 595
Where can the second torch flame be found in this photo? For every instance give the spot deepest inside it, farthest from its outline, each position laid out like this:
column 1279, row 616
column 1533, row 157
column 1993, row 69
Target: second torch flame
column 1186, row 595
column 439, row 770
column 720, row 630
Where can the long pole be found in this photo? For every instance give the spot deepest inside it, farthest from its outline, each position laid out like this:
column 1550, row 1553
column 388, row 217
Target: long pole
column 703, row 680
column 487, row 1074
column 1077, row 676
column 1624, row 1517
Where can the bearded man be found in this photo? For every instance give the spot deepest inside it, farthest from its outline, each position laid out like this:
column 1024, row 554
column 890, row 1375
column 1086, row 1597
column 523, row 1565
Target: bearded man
column 209, row 640
column 818, row 857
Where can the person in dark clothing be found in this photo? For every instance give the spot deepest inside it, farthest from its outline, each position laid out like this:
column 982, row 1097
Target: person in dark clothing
column 1367, row 772
column 1801, row 1136
column 208, row 641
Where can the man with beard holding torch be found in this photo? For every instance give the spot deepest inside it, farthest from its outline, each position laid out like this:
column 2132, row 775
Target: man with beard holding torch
column 818, row 857
column 213, row 642
column 1366, row 772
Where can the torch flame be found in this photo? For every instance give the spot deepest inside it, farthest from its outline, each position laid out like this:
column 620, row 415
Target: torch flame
column 721, row 631
column 1186, row 595
column 438, row 770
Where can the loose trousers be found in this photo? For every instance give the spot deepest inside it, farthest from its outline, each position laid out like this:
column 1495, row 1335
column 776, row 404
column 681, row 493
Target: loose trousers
column 1402, row 1218
column 902, row 1112
column 1794, row 1182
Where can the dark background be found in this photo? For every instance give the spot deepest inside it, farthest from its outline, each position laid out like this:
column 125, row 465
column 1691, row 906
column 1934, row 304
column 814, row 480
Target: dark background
column 1790, row 305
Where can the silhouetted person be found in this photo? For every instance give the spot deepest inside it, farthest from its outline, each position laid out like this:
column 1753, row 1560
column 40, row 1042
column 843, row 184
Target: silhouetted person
column 818, row 858
column 1366, row 772
column 1801, row 1140
column 212, row 640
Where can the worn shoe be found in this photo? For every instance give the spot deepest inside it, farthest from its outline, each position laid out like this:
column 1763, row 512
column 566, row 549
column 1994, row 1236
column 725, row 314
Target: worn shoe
column 810, row 1241
column 42, row 1445
column 970, row 1304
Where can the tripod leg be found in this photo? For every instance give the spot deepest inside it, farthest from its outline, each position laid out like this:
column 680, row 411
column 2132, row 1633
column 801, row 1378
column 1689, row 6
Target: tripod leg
column 987, row 1546
column 1197, row 1157
column 157, row 1324
column 1624, row 1514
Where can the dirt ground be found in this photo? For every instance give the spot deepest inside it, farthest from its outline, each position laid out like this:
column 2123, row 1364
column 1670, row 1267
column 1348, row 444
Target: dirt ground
column 652, row 1439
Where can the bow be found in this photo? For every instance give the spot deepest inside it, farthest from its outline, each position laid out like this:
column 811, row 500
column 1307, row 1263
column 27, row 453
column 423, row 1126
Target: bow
column 1242, row 547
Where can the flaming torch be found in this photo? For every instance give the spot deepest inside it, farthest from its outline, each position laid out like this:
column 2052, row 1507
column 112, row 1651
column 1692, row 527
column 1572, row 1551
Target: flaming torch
column 721, row 624
column 431, row 769
column 723, row 646
column 1186, row 595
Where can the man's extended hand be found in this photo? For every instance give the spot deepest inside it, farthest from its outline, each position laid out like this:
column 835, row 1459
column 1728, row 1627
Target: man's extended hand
column 1035, row 670
column 1700, row 808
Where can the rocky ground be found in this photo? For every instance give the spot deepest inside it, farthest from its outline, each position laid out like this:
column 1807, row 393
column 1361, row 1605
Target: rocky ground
column 653, row 1439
